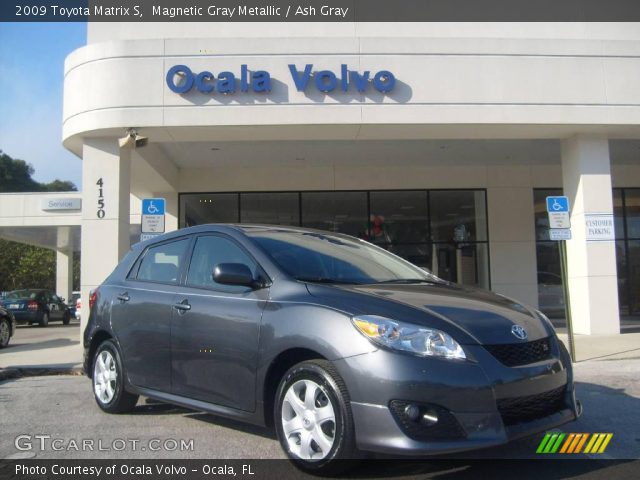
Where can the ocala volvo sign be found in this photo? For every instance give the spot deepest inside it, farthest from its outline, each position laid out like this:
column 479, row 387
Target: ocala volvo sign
column 181, row 79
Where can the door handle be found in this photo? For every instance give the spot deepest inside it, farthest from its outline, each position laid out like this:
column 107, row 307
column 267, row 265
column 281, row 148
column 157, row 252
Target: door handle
column 183, row 306
column 123, row 297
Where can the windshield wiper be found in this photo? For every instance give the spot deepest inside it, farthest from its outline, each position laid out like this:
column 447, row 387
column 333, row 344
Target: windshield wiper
column 322, row 280
column 408, row 280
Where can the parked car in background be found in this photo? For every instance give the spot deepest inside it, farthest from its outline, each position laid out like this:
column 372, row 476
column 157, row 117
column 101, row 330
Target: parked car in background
column 36, row 306
column 73, row 303
column 7, row 326
column 78, row 312
column 339, row 344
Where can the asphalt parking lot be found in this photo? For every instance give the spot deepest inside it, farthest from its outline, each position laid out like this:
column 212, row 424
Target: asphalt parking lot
column 57, row 345
column 62, row 407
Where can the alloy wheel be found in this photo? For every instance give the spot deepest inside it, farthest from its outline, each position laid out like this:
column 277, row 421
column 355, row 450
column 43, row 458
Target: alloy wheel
column 308, row 420
column 4, row 333
column 105, row 377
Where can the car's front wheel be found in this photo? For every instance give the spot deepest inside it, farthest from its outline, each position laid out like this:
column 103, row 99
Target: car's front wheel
column 5, row 332
column 108, row 380
column 313, row 417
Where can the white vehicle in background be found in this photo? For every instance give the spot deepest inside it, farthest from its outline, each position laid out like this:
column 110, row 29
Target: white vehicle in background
column 78, row 305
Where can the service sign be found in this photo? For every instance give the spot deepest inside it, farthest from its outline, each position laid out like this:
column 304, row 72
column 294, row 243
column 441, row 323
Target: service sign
column 61, row 204
column 599, row 227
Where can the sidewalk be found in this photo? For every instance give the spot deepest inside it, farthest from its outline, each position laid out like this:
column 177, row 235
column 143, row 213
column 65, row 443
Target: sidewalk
column 605, row 347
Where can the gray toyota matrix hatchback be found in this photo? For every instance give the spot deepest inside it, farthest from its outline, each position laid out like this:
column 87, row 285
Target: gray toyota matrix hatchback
column 341, row 345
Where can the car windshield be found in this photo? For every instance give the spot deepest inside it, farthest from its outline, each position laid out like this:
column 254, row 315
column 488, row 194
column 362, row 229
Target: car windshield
column 328, row 258
column 16, row 294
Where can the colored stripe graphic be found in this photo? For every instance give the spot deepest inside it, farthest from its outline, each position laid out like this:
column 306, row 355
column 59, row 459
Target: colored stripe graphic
column 543, row 443
column 567, row 442
column 606, row 442
column 572, row 443
column 584, row 439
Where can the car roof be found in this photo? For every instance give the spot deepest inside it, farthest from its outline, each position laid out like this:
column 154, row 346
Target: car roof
column 244, row 228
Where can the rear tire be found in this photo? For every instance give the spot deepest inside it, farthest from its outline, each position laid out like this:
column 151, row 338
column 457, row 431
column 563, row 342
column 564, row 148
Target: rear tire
column 5, row 332
column 317, row 432
column 44, row 320
column 108, row 380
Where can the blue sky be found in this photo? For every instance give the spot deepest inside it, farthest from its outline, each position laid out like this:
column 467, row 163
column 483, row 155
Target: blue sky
column 31, row 80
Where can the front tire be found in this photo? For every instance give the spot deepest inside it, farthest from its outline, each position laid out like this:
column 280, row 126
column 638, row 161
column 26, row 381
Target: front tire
column 313, row 417
column 108, row 380
column 5, row 332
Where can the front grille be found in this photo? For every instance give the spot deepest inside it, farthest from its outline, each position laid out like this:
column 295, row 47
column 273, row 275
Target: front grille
column 447, row 427
column 525, row 409
column 514, row 354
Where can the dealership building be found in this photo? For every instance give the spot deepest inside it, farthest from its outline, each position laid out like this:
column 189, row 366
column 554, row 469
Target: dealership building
column 439, row 142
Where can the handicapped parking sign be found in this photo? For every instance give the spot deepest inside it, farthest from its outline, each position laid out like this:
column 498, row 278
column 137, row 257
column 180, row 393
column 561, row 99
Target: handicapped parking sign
column 557, row 204
column 152, row 215
column 558, row 212
column 153, row 206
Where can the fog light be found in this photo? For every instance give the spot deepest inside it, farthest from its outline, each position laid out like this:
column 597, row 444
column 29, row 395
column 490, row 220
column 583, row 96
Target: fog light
column 430, row 417
column 412, row 412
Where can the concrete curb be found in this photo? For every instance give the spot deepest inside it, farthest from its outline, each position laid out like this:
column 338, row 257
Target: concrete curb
column 13, row 373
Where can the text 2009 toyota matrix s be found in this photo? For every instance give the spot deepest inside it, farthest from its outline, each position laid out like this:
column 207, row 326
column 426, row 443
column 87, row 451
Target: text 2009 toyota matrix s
column 341, row 345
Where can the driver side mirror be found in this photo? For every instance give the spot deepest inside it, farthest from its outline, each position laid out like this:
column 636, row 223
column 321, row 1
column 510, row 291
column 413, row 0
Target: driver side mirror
column 233, row 274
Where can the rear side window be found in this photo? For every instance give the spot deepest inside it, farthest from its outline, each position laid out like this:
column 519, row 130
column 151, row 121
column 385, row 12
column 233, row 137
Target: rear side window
column 162, row 263
column 208, row 252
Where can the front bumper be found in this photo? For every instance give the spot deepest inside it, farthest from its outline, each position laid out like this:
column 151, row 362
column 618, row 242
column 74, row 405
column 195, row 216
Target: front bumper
column 468, row 392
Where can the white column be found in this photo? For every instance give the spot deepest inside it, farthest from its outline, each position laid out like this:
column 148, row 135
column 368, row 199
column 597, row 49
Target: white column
column 105, row 212
column 64, row 262
column 64, row 273
column 593, row 281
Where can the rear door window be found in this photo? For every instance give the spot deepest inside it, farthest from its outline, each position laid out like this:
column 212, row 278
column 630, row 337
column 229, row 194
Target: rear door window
column 162, row 263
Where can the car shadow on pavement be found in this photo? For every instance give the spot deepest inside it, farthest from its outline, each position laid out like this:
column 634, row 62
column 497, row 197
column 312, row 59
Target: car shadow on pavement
column 234, row 425
column 53, row 343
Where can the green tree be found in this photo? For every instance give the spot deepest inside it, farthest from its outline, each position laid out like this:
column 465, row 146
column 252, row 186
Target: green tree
column 15, row 176
column 26, row 266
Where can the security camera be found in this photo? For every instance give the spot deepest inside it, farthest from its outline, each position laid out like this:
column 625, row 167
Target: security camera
column 132, row 139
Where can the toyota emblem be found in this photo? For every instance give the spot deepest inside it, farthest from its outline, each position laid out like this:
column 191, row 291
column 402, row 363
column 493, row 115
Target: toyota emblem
column 519, row 332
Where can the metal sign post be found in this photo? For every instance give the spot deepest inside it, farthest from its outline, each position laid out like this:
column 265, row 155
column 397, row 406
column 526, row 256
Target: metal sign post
column 560, row 231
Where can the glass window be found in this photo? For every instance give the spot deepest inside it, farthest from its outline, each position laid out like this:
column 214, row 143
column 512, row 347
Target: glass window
column 398, row 217
column 618, row 212
column 550, row 292
column 210, row 251
column 344, row 212
column 458, row 215
column 270, row 208
column 162, row 263
column 634, row 276
column 632, row 207
column 197, row 208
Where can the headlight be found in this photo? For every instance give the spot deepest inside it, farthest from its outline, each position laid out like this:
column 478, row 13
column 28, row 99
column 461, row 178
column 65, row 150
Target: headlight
column 407, row 337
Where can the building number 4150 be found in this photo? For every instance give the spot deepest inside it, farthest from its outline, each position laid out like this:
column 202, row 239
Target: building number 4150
column 100, row 212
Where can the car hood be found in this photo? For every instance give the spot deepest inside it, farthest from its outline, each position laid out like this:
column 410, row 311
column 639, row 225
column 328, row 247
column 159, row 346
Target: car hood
column 487, row 318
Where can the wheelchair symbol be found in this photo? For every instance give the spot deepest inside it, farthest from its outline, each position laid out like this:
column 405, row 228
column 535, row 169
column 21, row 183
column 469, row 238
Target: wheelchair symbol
column 152, row 208
column 556, row 206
